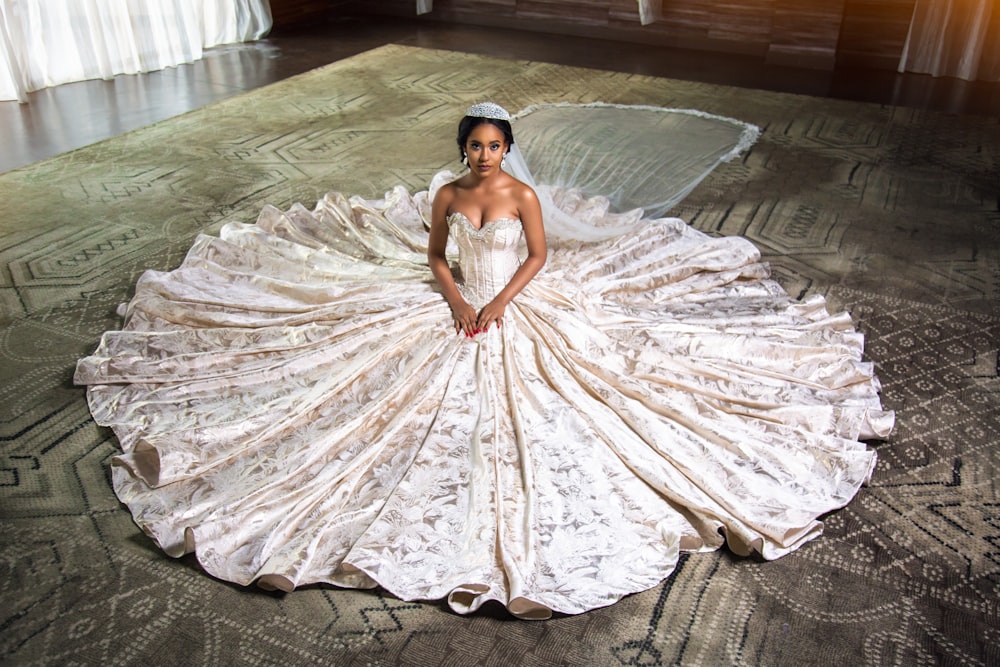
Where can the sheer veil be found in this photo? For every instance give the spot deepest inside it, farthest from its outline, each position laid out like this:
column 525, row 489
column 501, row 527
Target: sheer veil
column 638, row 159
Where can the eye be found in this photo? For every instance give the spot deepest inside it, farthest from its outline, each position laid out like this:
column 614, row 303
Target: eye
column 494, row 147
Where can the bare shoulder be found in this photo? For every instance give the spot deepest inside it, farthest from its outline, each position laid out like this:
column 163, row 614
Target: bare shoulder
column 526, row 199
column 449, row 189
column 446, row 194
column 523, row 193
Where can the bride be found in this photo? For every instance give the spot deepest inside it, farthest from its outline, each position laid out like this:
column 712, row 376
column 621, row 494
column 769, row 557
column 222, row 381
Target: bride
column 294, row 405
column 492, row 198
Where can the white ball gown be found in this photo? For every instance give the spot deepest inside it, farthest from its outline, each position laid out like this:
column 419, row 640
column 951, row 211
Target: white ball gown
column 294, row 406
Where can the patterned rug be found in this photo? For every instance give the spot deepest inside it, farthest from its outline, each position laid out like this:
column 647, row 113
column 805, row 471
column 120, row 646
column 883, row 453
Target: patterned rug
column 893, row 214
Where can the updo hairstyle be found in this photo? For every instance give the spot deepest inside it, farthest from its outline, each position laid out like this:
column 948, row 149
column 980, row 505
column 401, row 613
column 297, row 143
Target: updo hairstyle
column 469, row 123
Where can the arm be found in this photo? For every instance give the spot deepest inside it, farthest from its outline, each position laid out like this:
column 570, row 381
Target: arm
column 530, row 212
column 462, row 312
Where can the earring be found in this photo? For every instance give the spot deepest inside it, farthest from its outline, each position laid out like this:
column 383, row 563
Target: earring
column 503, row 162
column 465, row 159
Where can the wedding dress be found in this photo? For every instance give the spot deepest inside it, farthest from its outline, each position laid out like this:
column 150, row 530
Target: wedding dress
column 294, row 405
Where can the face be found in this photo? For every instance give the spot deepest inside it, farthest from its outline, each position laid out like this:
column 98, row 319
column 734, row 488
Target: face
column 485, row 148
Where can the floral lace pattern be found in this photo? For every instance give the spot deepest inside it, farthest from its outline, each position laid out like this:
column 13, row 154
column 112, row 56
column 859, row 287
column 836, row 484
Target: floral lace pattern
column 294, row 406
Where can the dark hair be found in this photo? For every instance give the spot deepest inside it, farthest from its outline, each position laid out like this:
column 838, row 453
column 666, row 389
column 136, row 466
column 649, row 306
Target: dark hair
column 469, row 123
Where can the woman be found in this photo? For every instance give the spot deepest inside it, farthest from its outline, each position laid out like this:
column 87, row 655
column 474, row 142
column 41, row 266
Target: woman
column 290, row 410
column 485, row 196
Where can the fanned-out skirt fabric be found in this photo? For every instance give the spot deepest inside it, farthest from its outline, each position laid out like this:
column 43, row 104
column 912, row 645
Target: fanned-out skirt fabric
column 294, row 407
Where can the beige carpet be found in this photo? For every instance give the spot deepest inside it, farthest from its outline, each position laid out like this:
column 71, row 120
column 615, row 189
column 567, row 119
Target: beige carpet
column 893, row 214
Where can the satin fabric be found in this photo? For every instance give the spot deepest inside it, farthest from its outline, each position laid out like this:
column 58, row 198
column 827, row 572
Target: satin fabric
column 294, row 406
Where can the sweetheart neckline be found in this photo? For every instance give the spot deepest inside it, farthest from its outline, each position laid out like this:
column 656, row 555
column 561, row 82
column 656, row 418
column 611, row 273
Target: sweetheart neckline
column 483, row 225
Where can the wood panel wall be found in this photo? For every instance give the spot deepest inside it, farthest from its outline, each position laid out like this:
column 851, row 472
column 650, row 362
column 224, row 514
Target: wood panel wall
column 809, row 33
column 873, row 32
column 288, row 12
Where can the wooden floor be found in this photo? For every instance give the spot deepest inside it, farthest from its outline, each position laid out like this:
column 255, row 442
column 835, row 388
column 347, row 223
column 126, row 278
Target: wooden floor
column 60, row 119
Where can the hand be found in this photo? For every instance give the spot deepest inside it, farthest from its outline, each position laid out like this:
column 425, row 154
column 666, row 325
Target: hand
column 491, row 312
column 465, row 319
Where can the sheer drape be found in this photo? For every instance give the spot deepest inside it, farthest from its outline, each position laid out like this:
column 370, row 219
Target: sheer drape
column 49, row 42
column 580, row 147
column 959, row 38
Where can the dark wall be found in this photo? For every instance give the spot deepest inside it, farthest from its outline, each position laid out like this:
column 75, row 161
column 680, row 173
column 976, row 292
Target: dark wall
column 873, row 32
column 812, row 33
column 289, row 12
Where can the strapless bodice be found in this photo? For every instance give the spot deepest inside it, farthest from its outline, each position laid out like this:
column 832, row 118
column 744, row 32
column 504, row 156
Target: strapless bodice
column 487, row 256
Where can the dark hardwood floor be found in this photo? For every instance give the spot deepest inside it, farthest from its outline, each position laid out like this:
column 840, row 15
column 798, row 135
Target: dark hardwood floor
column 63, row 118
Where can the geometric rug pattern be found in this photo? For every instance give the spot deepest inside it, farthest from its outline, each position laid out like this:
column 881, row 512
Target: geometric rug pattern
column 893, row 214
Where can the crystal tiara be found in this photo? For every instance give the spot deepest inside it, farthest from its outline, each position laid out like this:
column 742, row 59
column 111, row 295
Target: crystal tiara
column 488, row 110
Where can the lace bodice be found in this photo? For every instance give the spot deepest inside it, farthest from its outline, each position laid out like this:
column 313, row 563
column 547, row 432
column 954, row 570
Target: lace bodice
column 487, row 256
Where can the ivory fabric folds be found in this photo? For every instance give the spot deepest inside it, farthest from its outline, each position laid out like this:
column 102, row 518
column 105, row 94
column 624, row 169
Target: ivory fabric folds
column 294, row 406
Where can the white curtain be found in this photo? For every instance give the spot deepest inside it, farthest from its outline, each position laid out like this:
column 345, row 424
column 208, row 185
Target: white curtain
column 958, row 38
column 49, row 42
